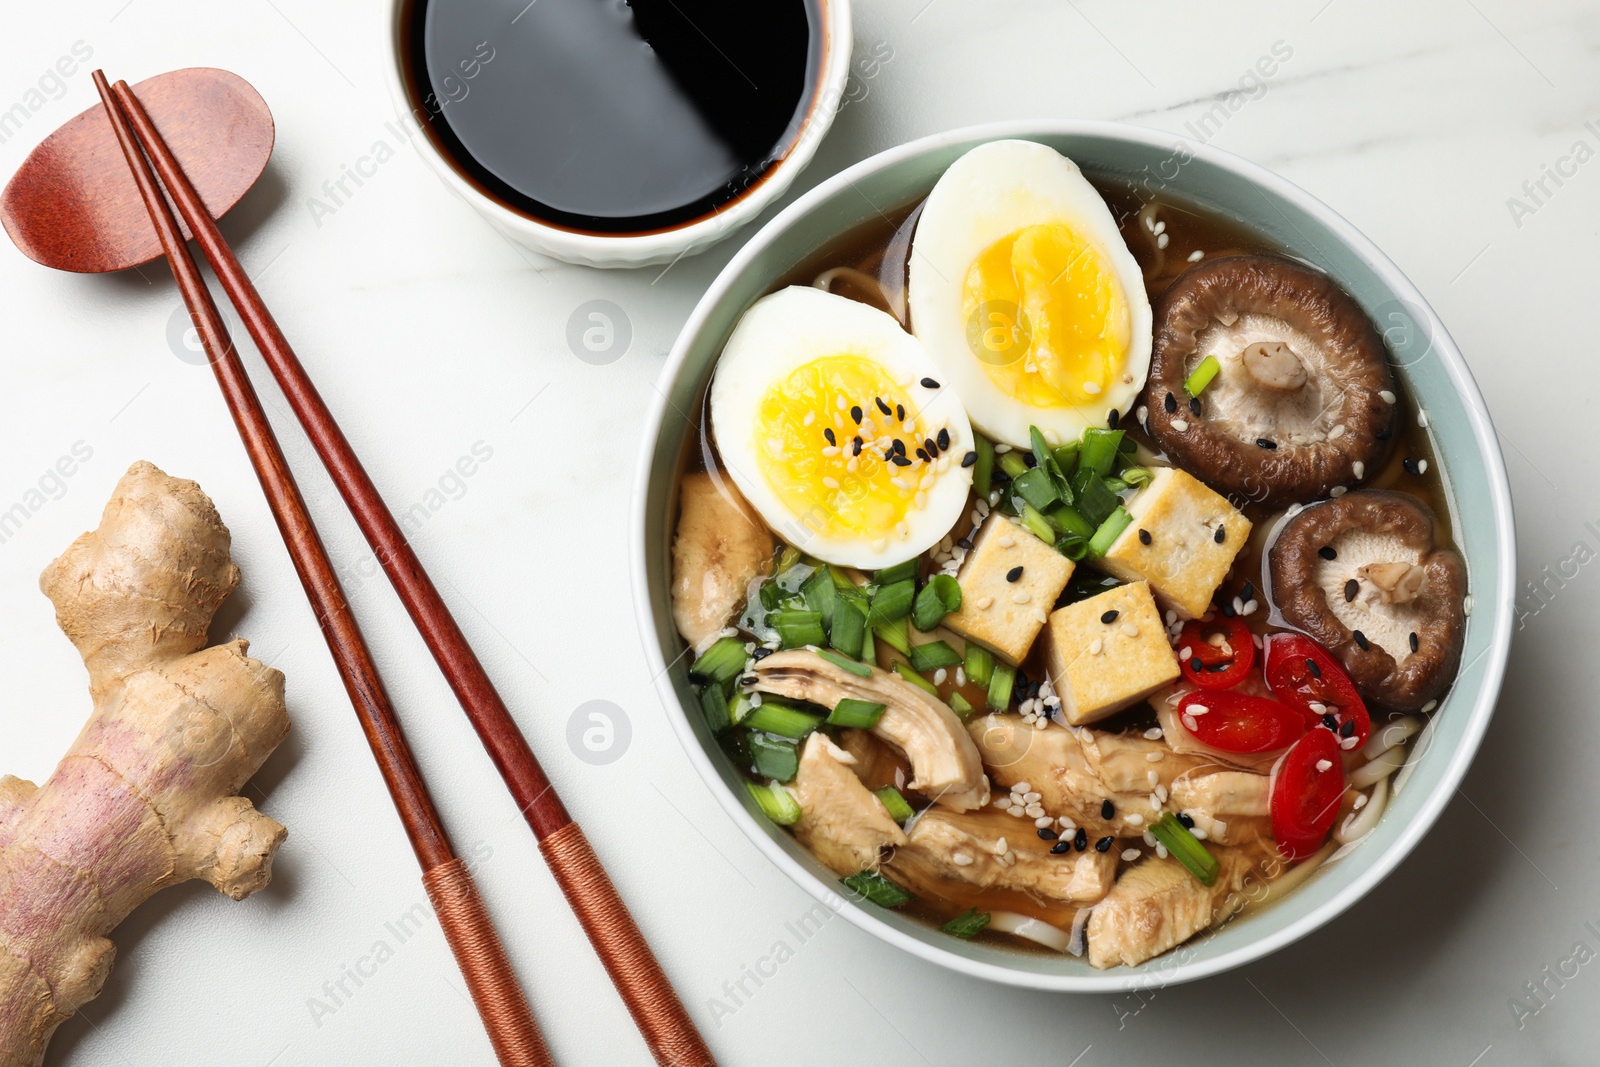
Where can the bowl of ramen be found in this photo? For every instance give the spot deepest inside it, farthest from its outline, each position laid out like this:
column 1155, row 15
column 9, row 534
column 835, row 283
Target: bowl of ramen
column 617, row 134
column 1080, row 558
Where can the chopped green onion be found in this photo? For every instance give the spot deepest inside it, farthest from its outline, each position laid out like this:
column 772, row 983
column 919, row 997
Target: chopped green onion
column 818, row 591
column 841, row 580
column 1185, row 847
column 1099, row 450
column 933, row 655
column 1067, row 519
column 855, row 667
column 789, row 557
column 899, row 810
column 961, row 706
column 859, row 714
column 1136, row 477
column 714, row 705
column 877, row 889
column 938, row 598
column 896, row 634
column 849, row 628
column 797, row 628
column 967, row 925
column 741, row 707
column 891, row 602
column 905, row 671
column 722, row 662
column 1013, row 464
column 1073, row 547
column 1108, row 533
column 1095, row 499
column 900, row 572
column 1000, row 683
column 980, row 664
column 1036, row 488
column 1067, row 457
column 781, row 719
column 1196, row 383
column 774, row 757
column 1046, row 460
column 1037, row 524
column 775, row 802
column 983, row 470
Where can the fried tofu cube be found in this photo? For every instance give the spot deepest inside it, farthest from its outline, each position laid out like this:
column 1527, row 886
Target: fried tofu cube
column 1108, row 652
column 1002, row 613
column 1182, row 541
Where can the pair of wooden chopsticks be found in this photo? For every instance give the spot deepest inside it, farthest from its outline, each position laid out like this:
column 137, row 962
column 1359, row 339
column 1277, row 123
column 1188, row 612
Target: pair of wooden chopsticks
column 656, row 1009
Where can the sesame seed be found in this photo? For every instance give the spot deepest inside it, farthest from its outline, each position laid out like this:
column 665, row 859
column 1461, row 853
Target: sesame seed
column 1021, row 598
column 1248, row 592
column 1198, row 709
column 1180, row 425
column 1109, row 617
column 856, row 444
column 1186, row 819
column 943, row 439
column 1131, row 854
column 1266, row 443
column 1388, row 397
column 898, row 446
column 1133, row 818
column 1348, row 729
column 1108, row 810
column 1429, row 706
column 1328, row 552
column 985, row 602
column 1415, row 644
column 1044, row 831
column 1113, row 418
column 1422, row 466
column 1104, row 844
column 1336, row 433
column 1080, row 840
column 929, row 383
column 1221, row 535
column 1359, row 469
column 1005, row 541
column 1096, row 646
column 855, row 413
column 1337, row 491
column 1329, row 721
column 1170, row 403
column 1194, row 405
column 1153, row 734
column 922, row 454
column 969, row 459
column 1411, row 466
column 1092, row 388
column 1351, row 588
column 1153, row 757
column 899, row 460
column 1014, row 574
column 1060, row 847
column 900, row 412
column 927, row 443
column 1311, row 665
column 1361, row 640
column 828, row 433
column 1350, row 742
column 961, row 859
column 1144, row 537
column 1324, row 766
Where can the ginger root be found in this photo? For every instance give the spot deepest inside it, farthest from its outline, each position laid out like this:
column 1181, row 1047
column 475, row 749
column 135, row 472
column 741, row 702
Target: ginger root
column 146, row 797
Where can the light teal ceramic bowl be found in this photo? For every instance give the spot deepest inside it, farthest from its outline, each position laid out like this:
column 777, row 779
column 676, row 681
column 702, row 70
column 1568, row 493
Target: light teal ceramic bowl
column 1427, row 359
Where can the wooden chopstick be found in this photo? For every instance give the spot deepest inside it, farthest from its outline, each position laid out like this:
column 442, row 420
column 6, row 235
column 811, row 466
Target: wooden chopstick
column 484, row 964
column 658, row 1013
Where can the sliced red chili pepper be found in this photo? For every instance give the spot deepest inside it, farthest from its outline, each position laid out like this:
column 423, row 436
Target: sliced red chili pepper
column 1306, row 792
column 1239, row 722
column 1216, row 666
column 1303, row 675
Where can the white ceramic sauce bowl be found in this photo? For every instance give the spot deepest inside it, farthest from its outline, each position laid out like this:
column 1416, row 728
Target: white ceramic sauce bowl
column 1426, row 359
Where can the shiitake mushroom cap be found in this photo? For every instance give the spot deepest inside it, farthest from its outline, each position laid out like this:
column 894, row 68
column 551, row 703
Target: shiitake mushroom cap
column 1304, row 393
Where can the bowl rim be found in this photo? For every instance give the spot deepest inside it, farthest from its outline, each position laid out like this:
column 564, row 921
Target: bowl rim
column 652, row 246
column 1476, row 716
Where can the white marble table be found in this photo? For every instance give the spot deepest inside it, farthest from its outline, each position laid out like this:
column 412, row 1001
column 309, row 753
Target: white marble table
column 1426, row 123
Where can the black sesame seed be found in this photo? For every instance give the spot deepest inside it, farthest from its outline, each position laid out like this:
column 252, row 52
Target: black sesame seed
column 1113, row 418
column 1144, row 537
column 1415, row 644
column 828, row 433
column 1104, row 844
column 1248, row 592
column 1194, row 405
column 969, row 459
column 1351, row 588
column 1060, row 847
column 855, row 413
column 761, row 653
column 1197, row 665
column 899, row 446
column 1410, row 465
column 885, row 408
column 1361, row 639
column 900, row 412
column 1108, row 810
column 922, row 454
column 929, row 447
column 1047, row 834
column 1328, row 552
column 943, row 439
column 1329, row 721
column 1014, row 574
column 1170, row 403
column 1348, row 729
column 929, row 383
column 900, row 461
column 1227, row 610
column 1266, row 443
column 1311, row 665
column 1221, row 535
column 1186, row 820
column 965, row 542
column 888, row 453
column 1080, row 840
column 857, row 443
column 1109, row 617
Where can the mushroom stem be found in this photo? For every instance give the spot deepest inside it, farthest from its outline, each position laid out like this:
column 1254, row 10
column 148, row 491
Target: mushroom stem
column 1396, row 583
column 1274, row 365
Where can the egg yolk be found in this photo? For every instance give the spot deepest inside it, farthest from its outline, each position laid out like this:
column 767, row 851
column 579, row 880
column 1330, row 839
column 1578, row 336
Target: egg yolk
column 1046, row 316
column 807, row 426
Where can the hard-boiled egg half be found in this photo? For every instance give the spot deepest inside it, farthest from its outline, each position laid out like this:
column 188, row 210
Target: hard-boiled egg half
column 835, row 425
column 1022, row 291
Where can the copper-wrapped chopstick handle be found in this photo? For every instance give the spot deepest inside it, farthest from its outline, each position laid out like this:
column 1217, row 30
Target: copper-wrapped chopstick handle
column 655, row 1007
column 482, row 958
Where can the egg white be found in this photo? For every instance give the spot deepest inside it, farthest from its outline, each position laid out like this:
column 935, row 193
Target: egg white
column 789, row 329
column 990, row 193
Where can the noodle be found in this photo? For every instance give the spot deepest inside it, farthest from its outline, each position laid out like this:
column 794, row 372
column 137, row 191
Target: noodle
column 1359, row 824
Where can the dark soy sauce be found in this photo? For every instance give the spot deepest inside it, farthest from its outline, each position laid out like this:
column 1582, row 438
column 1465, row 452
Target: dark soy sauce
column 609, row 116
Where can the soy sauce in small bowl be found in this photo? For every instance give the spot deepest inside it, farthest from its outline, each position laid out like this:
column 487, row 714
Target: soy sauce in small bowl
column 610, row 118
